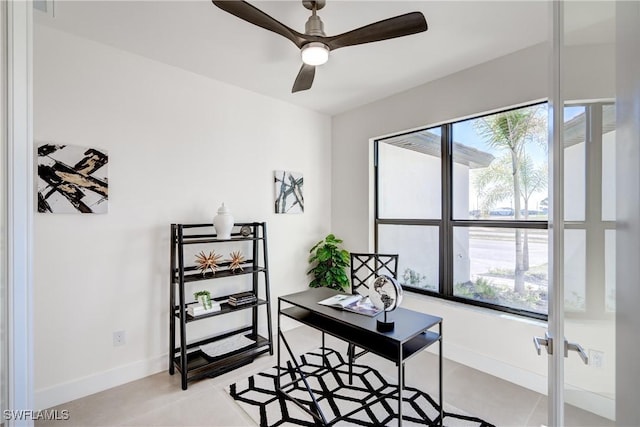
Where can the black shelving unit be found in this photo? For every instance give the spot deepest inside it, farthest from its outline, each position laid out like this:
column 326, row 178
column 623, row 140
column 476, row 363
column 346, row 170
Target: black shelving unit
column 186, row 357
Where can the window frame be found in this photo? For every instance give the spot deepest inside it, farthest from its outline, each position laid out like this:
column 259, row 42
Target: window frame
column 594, row 225
column 446, row 223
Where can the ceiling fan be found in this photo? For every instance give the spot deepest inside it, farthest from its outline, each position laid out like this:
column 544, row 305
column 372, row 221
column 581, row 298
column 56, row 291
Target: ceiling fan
column 314, row 45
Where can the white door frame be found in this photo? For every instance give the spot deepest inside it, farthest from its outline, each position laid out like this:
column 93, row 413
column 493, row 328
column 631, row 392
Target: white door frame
column 16, row 25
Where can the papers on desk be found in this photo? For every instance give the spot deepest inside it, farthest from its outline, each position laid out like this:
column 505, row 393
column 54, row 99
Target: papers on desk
column 354, row 303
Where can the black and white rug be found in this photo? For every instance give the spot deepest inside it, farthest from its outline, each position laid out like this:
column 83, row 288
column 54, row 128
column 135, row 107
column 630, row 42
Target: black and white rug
column 336, row 397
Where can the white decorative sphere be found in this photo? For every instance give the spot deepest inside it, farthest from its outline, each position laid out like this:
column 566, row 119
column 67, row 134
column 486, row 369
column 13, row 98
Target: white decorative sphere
column 385, row 293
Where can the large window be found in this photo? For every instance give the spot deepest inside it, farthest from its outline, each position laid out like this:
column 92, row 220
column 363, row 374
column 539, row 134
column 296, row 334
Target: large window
column 465, row 206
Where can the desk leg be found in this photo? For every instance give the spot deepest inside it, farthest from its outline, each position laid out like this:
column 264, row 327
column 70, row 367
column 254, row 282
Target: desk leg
column 351, row 350
column 278, row 351
column 400, row 383
column 324, row 359
column 441, row 399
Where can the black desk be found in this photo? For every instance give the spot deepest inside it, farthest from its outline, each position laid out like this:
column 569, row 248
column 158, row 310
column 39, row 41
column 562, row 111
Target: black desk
column 410, row 336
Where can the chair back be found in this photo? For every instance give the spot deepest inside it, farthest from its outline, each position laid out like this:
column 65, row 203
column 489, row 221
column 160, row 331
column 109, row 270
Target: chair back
column 366, row 267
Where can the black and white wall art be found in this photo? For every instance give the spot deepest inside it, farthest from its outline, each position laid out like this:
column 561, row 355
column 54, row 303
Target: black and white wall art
column 289, row 198
column 72, row 179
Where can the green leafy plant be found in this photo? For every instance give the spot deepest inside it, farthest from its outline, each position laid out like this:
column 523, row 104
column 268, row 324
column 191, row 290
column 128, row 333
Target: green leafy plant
column 328, row 263
column 205, row 298
column 485, row 288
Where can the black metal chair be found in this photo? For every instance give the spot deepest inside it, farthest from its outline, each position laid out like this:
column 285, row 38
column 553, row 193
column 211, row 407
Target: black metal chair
column 364, row 270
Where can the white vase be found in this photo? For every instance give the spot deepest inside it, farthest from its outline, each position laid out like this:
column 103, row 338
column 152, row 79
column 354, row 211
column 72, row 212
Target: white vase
column 223, row 222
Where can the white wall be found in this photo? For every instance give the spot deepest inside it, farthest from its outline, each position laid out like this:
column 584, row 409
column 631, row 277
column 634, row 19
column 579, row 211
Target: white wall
column 498, row 344
column 179, row 145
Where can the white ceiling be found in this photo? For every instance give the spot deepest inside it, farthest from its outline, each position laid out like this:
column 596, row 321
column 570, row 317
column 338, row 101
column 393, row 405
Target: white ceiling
column 199, row 37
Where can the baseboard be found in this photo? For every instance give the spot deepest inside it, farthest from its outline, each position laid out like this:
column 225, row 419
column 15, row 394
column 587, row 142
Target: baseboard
column 81, row 387
column 75, row 389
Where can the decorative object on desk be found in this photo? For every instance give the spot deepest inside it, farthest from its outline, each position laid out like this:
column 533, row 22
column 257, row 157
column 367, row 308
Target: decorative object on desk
column 257, row 396
column 245, row 231
column 208, row 262
column 289, row 198
column 72, row 179
column 205, row 299
column 354, row 303
column 328, row 261
column 386, row 294
column 223, row 223
column 236, row 261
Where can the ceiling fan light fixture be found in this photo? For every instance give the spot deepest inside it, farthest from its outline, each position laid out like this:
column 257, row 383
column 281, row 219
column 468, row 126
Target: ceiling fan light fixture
column 315, row 53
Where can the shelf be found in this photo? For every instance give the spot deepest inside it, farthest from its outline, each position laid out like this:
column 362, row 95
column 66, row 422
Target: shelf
column 199, row 365
column 208, row 238
column 225, row 308
column 253, row 277
column 363, row 339
column 195, row 277
column 237, row 224
column 245, row 264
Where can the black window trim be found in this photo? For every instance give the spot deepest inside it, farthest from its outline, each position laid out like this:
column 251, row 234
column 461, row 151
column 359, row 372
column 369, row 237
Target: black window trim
column 447, row 224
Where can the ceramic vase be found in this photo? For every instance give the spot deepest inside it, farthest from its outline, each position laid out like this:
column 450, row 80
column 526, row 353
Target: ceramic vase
column 223, row 223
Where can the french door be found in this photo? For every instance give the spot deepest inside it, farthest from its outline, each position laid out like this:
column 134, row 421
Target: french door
column 580, row 341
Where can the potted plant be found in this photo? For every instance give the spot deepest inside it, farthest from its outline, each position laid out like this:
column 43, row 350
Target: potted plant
column 205, row 299
column 329, row 261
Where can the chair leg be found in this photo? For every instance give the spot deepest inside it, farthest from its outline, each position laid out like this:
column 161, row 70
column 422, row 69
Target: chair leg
column 350, row 354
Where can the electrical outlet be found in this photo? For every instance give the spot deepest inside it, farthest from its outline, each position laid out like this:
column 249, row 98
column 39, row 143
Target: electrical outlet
column 118, row 338
column 596, row 358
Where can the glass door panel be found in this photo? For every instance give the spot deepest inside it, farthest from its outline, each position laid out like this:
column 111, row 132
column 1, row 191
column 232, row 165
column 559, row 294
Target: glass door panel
column 588, row 56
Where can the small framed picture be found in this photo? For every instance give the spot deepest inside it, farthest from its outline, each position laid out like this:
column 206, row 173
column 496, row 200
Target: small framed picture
column 289, row 197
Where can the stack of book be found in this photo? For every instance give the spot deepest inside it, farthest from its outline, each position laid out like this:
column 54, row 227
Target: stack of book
column 198, row 309
column 242, row 298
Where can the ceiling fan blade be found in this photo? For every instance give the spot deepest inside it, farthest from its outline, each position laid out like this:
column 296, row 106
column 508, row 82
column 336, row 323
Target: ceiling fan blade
column 252, row 14
column 399, row 26
column 304, row 80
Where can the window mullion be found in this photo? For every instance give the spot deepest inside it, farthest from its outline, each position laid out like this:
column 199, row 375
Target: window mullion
column 446, row 232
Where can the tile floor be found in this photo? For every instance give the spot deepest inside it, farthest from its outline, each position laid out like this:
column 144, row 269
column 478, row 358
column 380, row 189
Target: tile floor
column 158, row 400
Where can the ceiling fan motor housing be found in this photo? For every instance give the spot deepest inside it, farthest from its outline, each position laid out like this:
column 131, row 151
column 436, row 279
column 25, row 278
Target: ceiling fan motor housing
column 314, row 26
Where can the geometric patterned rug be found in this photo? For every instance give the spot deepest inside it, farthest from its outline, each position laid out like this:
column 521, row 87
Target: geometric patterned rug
column 328, row 379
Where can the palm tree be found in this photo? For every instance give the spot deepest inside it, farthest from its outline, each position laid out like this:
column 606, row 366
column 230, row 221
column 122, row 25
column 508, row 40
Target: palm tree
column 510, row 131
column 533, row 179
column 494, row 183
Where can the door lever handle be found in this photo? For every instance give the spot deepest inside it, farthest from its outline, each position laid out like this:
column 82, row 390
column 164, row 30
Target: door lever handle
column 547, row 341
column 577, row 348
